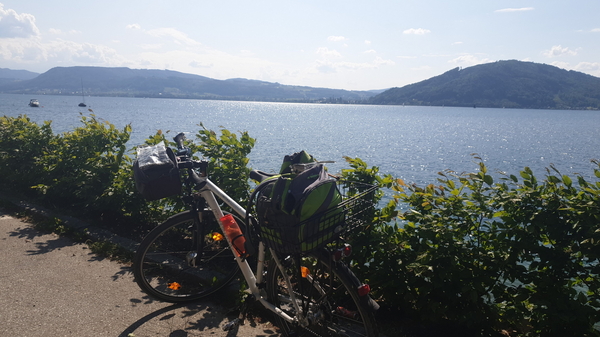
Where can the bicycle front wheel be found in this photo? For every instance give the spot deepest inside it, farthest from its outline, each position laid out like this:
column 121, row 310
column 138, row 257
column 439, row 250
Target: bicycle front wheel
column 184, row 259
column 326, row 294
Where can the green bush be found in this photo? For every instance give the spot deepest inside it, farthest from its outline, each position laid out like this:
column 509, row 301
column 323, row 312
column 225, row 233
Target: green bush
column 228, row 160
column 78, row 164
column 517, row 256
column 227, row 157
column 89, row 170
column 22, row 146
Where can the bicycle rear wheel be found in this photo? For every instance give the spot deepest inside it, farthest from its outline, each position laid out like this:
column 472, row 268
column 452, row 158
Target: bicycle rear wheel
column 184, row 260
column 326, row 292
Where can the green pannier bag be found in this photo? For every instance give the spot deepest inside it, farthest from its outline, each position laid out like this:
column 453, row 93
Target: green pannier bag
column 298, row 213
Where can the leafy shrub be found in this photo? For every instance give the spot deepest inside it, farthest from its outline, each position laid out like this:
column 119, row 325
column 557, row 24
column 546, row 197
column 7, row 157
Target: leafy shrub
column 517, row 256
column 22, row 146
column 228, row 160
column 227, row 156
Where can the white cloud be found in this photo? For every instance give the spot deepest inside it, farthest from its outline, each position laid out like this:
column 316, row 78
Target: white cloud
column 367, row 42
column 382, row 62
column 562, row 64
column 511, row 10
column 214, row 63
column 592, row 68
column 70, row 52
column 133, row 26
column 557, row 51
column 25, row 51
column 59, row 52
column 247, row 53
column 469, row 60
column 421, row 68
column 55, row 31
column 14, row 25
column 147, row 46
column 456, row 43
column 416, row 31
column 336, row 38
column 326, row 52
column 326, row 66
column 596, row 30
column 177, row 36
column 200, row 64
column 370, row 51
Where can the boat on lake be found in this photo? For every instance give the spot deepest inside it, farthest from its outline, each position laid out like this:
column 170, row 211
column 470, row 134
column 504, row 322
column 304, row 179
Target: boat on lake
column 34, row 103
column 82, row 104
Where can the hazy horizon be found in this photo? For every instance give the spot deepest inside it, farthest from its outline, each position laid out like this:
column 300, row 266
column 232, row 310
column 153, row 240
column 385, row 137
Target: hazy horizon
column 334, row 44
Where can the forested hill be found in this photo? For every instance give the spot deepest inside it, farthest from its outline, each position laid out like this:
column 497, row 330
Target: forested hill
column 104, row 81
column 502, row 84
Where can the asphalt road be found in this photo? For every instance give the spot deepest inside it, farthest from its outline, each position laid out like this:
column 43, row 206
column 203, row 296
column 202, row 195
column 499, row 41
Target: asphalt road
column 51, row 286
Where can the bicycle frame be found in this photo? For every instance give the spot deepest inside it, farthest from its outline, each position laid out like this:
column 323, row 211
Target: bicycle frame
column 210, row 192
column 315, row 292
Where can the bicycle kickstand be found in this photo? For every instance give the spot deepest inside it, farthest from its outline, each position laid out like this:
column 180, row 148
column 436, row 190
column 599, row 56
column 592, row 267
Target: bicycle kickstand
column 241, row 317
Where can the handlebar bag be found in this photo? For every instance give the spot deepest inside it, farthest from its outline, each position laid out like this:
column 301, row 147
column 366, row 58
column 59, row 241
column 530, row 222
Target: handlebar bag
column 155, row 172
column 298, row 213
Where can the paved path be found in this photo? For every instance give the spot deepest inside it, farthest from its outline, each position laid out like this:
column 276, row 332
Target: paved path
column 51, row 286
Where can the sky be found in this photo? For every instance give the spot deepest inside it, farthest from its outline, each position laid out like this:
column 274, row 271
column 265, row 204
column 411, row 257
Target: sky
column 353, row 45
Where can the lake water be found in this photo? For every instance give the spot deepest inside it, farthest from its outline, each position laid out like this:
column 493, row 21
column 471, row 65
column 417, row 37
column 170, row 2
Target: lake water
column 412, row 143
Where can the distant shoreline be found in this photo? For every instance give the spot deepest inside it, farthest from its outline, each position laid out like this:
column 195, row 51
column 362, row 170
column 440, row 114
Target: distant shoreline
column 301, row 101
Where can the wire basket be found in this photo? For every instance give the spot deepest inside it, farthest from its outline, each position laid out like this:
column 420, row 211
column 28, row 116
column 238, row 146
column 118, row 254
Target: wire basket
column 355, row 210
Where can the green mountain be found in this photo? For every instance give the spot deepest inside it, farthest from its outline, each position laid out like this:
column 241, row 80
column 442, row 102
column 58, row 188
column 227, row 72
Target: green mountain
column 101, row 81
column 8, row 76
column 509, row 84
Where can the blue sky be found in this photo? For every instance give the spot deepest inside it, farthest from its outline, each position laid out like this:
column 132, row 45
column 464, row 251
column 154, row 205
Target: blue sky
column 356, row 45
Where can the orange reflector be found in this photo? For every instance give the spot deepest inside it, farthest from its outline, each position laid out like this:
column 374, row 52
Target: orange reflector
column 363, row 290
column 174, row 286
column 305, row 272
column 347, row 250
column 217, row 236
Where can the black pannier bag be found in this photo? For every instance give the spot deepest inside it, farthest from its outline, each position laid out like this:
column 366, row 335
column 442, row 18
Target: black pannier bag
column 155, row 172
column 298, row 214
column 304, row 209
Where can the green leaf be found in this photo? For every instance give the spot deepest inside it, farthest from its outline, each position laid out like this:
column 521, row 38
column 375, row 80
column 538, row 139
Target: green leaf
column 567, row 181
column 553, row 179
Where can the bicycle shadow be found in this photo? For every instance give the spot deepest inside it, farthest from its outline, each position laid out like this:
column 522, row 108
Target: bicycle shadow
column 196, row 319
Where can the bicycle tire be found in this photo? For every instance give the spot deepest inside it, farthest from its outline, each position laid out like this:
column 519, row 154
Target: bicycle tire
column 165, row 267
column 329, row 296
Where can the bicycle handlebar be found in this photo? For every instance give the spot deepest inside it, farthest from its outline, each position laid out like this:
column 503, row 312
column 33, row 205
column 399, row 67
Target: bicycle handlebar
column 179, row 140
column 185, row 161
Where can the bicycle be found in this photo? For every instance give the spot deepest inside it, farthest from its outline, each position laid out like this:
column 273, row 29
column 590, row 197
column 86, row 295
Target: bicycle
column 189, row 257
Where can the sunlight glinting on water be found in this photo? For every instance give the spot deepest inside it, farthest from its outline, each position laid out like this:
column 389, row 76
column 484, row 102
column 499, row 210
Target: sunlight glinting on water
column 412, row 143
